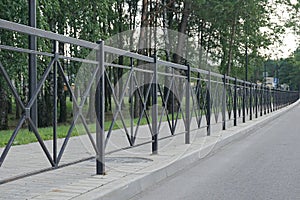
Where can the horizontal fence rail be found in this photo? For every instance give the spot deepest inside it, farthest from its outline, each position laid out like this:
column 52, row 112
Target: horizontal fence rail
column 150, row 93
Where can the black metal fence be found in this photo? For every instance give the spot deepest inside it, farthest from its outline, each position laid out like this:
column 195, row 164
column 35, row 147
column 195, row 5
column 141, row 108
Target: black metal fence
column 162, row 92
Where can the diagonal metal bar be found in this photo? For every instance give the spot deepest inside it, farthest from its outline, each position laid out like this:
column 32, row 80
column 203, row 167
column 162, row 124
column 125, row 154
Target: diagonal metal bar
column 199, row 91
column 143, row 111
column 230, row 98
column 118, row 111
column 144, row 108
column 164, row 100
column 11, row 140
column 179, row 110
column 173, row 102
column 204, row 95
column 79, row 106
column 165, row 103
column 40, row 140
column 200, row 112
column 195, row 105
column 216, row 103
column 88, row 133
column 60, row 69
column 164, row 111
column 41, row 83
column 118, row 104
column 12, row 88
column 78, row 113
column 87, row 91
column 63, row 147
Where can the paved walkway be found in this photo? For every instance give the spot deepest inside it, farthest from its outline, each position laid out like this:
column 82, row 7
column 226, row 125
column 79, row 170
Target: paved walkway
column 79, row 181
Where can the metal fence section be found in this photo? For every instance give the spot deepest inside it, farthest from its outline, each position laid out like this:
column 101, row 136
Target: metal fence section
column 151, row 92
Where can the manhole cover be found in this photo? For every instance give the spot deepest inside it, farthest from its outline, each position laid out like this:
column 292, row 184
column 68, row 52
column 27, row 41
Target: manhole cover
column 127, row 160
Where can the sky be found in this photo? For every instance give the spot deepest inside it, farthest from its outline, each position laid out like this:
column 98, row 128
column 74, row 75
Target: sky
column 289, row 44
column 290, row 41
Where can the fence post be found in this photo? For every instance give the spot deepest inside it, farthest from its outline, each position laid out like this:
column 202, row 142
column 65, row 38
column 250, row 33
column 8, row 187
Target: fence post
column 251, row 102
column 272, row 100
column 131, row 92
column 244, row 102
column 235, row 103
column 154, row 109
column 269, row 100
column 224, row 103
column 277, row 100
column 208, row 104
column 187, row 105
column 281, row 99
column 265, row 100
column 54, row 144
column 100, row 110
column 256, row 101
column 261, row 100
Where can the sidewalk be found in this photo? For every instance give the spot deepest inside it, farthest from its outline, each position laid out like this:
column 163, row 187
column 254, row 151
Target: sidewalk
column 128, row 172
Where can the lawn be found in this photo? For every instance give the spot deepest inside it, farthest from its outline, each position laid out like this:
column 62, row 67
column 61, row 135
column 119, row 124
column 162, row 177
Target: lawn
column 25, row 136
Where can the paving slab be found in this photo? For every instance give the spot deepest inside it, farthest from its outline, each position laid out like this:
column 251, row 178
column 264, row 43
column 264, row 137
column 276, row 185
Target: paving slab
column 123, row 179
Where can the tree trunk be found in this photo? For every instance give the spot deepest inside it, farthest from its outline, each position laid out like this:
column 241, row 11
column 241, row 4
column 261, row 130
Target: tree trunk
column 45, row 105
column 231, row 42
column 178, row 56
column 121, row 46
column 18, row 108
column 201, row 49
column 3, row 109
column 182, row 30
column 60, row 91
column 141, row 50
column 167, row 23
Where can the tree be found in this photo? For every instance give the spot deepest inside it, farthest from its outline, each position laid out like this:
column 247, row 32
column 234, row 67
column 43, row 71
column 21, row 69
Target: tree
column 222, row 29
column 14, row 63
column 289, row 71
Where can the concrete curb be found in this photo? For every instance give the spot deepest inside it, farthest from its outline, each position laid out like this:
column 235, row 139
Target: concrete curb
column 131, row 186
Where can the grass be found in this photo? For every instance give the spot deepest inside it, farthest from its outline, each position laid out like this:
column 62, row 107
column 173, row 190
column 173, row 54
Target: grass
column 24, row 136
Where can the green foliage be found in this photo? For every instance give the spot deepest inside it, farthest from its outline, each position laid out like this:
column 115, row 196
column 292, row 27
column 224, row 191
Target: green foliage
column 227, row 27
column 289, row 71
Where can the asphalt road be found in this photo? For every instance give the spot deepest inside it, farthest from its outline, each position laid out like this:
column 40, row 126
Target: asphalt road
column 264, row 165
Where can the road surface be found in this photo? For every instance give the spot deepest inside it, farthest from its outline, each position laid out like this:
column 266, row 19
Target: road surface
column 264, row 165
